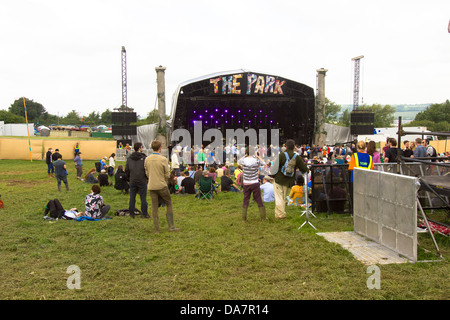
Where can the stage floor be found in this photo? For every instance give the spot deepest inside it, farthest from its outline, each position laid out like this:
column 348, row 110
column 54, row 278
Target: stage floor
column 365, row 250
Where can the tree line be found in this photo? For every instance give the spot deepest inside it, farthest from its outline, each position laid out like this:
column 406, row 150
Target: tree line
column 436, row 117
column 36, row 113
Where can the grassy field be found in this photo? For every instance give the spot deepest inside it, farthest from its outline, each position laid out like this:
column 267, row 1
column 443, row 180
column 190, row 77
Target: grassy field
column 214, row 255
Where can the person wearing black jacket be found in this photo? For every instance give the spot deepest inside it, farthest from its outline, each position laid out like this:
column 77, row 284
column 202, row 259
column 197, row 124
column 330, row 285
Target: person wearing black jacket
column 121, row 180
column 55, row 155
column 103, row 179
column 135, row 171
column 392, row 152
column 49, row 161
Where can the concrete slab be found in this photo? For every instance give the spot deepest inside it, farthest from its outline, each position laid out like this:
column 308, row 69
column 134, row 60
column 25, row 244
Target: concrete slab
column 365, row 250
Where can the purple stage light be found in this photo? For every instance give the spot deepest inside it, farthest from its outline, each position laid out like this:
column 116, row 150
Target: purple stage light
column 260, row 110
column 212, row 116
column 232, row 116
column 217, row 110
column 226, row 110
column 206, row 121
column 255, row 116
column 239, row 111
column 195, row 111
column 260, row 122
column 206, row 110
column 200, row 116
column 266, row 115
column 239, row 121
column 221, row 115
column 271, row 121
column 217, row 121
column 226, row 121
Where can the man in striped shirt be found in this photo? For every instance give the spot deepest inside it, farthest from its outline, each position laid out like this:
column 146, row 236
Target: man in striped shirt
column 250, row 167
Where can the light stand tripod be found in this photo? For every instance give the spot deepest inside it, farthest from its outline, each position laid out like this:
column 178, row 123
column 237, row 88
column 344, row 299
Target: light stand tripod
column 307, row 211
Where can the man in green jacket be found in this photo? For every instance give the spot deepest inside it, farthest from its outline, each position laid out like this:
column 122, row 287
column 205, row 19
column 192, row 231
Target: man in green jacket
column 282, row 182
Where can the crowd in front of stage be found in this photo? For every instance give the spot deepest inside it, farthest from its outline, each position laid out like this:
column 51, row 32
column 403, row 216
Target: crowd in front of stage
column 259, row 171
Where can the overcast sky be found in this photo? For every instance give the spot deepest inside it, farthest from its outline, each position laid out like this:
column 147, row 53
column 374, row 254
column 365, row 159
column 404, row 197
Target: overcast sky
column 66, row 55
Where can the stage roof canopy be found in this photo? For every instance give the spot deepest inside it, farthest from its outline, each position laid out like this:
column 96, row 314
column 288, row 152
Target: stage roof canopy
column 246, row 99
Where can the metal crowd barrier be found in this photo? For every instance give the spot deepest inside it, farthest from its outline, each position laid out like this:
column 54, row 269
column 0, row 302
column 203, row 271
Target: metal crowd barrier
column 331, row 190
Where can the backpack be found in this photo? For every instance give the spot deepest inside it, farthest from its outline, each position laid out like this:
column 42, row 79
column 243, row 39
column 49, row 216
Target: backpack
column 288, row 168
column 98, row 166
column 239, row 179
column 126, row 212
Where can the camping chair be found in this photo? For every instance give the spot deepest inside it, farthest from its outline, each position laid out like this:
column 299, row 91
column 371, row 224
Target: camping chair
column 205, row 189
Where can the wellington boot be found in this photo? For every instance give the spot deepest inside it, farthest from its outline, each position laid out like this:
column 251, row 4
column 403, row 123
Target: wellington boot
column 244, row 214
column 59, row 188
column 262, row 213
column 156, row 222
column 169, row 217
column 67, row 187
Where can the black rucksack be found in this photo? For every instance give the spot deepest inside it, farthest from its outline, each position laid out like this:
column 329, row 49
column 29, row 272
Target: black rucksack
column 98, row 166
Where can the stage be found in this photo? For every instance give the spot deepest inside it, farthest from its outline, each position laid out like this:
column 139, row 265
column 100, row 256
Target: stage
column 245, row 99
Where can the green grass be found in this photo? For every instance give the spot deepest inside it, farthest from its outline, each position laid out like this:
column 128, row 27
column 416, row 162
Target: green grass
column 214, row 255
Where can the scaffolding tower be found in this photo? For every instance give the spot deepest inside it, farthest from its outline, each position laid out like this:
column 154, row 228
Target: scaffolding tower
column 356, row 82
column 124, row 77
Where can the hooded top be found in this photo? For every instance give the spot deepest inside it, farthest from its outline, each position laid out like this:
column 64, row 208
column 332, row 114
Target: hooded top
column 134, row 168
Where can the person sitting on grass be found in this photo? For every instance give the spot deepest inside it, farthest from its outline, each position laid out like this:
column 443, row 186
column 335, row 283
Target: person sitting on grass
column 172, row 183
column 191, row 171
column 267, row 189
column 237, row 171
column 227, row 183
column 89, row 177
column 206, row 187
column 296, row 197
column 103, row 179
column 212, row 173
column 121, row 180
column 198, row 173
column 188, row 184
column 94, row 206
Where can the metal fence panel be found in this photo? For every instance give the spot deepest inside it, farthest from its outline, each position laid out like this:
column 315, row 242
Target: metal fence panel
column 385, row 209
